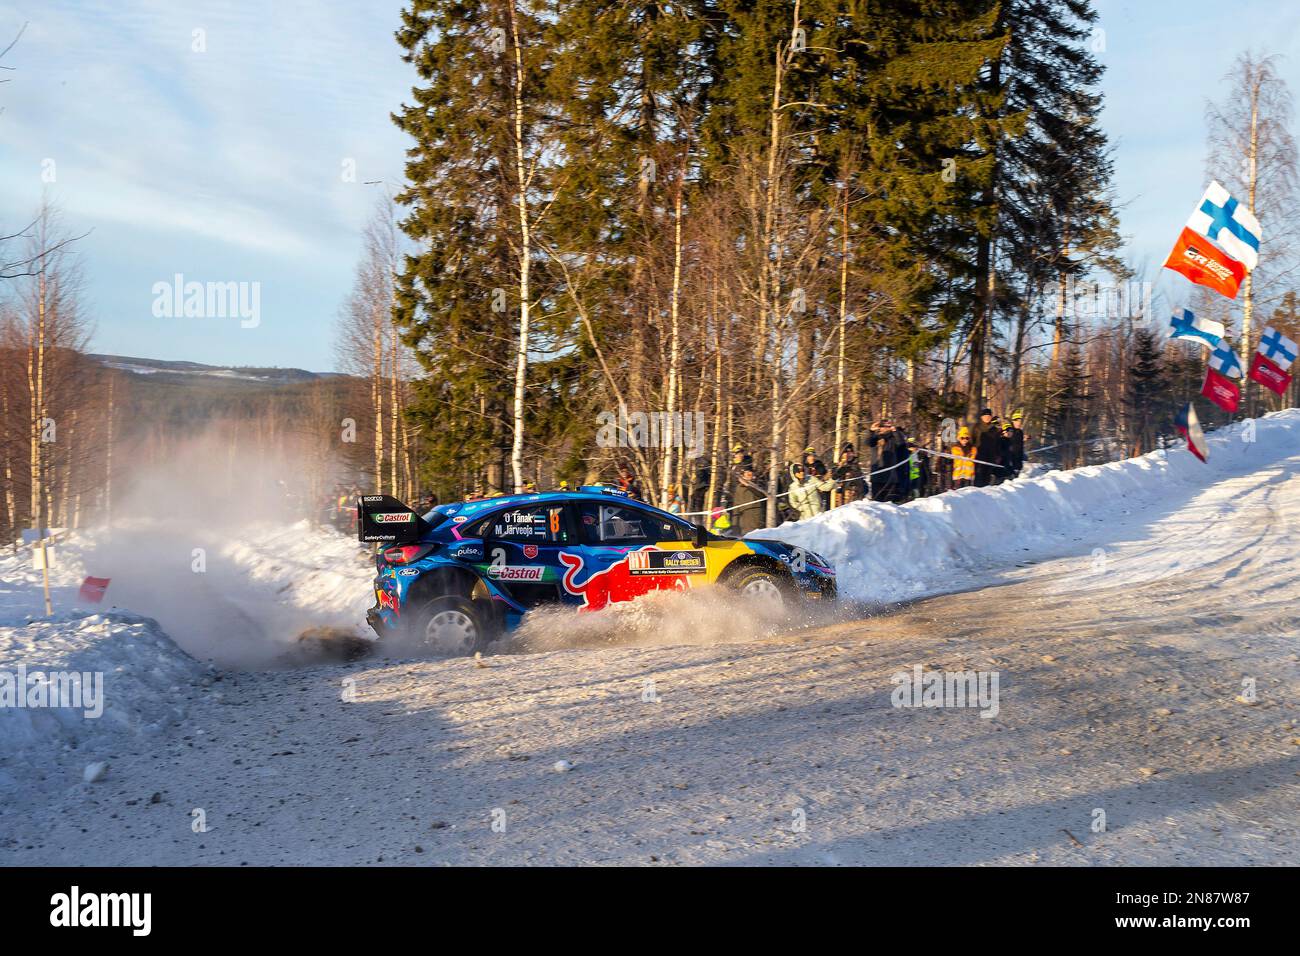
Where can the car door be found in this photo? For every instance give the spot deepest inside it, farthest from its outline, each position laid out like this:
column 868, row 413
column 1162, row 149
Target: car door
column 620, row 557
column 521, row 547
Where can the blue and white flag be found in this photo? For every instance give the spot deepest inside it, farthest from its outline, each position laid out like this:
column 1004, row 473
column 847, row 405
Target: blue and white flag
column 1224, row 361
column 1188, row 326
column 1221, row 219
column 1277, row 348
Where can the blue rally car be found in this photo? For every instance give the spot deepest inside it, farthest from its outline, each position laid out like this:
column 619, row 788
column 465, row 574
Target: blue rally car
column 460, row 575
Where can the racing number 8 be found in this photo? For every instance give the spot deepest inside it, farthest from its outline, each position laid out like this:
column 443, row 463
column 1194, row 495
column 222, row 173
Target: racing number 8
column 555, row 522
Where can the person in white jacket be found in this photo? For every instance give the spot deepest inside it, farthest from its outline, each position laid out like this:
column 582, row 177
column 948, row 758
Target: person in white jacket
column 805, row 491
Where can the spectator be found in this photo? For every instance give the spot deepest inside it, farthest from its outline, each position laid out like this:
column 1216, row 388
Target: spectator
column 889, row 461
column 675, row 504
column 812, row 463
column 918, row 471
column 627, row 481
column 963, row 466
column 1015, row 445
column 719, row 521
column 530, row 487
column 1005, row 474
column 817, row 469
column 806, row 491
column 848, row 476
column 700, row 484
column 749, row 502
column 740, row 459
column 988, row 449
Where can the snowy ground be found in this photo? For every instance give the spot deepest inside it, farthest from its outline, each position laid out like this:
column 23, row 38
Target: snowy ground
column 1140, row 617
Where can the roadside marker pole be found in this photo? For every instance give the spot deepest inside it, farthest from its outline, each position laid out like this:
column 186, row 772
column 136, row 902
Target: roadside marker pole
column 45, row 577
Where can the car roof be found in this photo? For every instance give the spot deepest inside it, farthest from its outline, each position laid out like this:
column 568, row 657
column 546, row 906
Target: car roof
column 483, row 505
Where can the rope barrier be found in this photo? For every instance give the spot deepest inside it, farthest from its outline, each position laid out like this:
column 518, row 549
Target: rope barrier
column 838, row 482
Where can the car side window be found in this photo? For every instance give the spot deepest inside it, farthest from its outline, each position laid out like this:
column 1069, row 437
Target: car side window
column 603, row 523
column 532, row 524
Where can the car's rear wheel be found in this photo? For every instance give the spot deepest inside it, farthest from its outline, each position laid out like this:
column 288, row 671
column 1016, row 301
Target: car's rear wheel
column 450, row 625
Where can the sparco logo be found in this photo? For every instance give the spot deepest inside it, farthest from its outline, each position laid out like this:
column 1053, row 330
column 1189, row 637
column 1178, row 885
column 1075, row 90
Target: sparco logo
column 103, row 909
column 393, row 517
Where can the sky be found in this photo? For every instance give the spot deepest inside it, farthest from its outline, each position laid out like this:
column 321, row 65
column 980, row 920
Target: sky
column 233, row 142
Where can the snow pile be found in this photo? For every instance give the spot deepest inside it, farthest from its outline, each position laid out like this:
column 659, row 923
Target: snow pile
column 239, row 596
column 885, row 552
column 307, row 567
column 131, row 680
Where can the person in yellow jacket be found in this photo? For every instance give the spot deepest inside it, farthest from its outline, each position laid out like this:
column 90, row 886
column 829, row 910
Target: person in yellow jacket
column 963, row 465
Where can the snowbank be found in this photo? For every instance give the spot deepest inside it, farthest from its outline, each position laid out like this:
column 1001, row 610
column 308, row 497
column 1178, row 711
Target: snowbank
column 885, row 552
column 133, row 681
column 307, row 567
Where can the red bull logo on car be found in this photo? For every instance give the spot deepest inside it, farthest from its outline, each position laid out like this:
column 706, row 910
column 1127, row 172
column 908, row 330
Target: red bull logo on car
column 618, row 582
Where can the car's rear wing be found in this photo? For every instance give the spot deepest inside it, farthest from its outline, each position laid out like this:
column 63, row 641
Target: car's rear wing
column 385, row 520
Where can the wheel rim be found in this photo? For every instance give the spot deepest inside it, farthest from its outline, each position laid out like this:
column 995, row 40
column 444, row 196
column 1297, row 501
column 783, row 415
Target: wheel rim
column 762, row 590
column 451, row 631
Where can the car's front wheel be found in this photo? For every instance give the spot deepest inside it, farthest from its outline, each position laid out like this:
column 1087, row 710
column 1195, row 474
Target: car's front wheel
column 762, row 588
column 450, row 625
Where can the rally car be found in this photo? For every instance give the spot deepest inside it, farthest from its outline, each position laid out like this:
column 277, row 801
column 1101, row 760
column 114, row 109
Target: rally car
column 459, row 576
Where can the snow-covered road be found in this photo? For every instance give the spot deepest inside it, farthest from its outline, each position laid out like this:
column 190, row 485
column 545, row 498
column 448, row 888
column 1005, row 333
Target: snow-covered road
column 1148, row 674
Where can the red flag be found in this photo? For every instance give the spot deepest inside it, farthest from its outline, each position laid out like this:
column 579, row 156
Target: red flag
column 1221, row 390
column 1269, row 374
column 92, row 589
column 1205, row 264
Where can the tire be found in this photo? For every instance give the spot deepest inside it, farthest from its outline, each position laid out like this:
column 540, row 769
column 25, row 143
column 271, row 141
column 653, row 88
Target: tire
column 762, row 587
column 450, row 625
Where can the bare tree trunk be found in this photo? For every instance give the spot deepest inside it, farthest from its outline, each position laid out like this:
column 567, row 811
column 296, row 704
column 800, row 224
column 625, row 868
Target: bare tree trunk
column 11, row 503
column 377, row 394
column 674, row 339
column 844, row 302
column 108, row 452
column 525, row 256
column 770, row 303
column 393, row 414
column 710, row 496
column 1248, row 285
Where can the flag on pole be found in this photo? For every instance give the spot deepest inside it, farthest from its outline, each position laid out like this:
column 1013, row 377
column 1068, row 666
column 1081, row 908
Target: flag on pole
column 1221, row 390
column 1219, row 385
column 1224, row 361
column 1188, row 326
column 1189, row 426
column 1277, row 348
column 1273, row 357
column 1205, row 264
column 1220, row 218
column 1269, row 374
column 92, row 590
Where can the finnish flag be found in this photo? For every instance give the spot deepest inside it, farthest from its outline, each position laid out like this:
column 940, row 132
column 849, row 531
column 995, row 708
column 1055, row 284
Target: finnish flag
column 1223, row 220
column 1188, row 326
column 1277, row 348
column 1224, row 361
